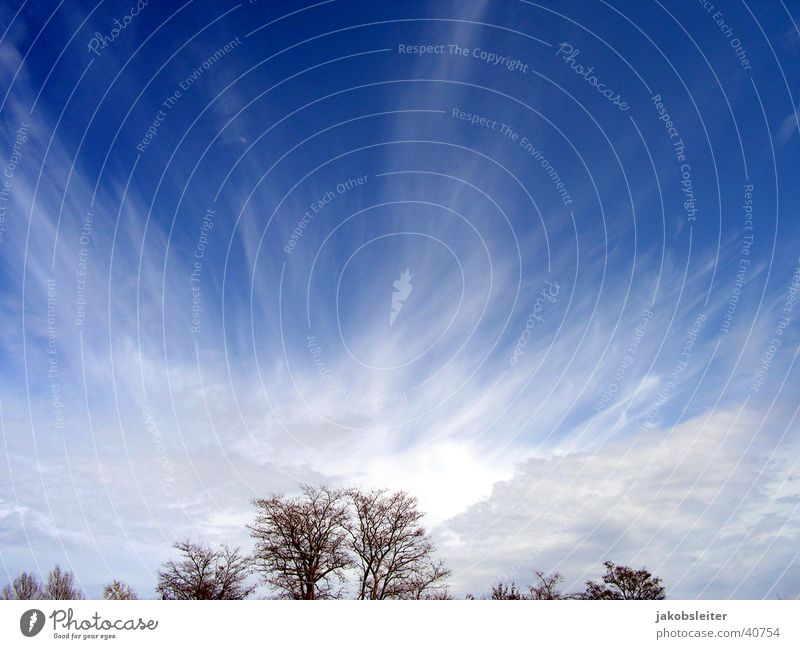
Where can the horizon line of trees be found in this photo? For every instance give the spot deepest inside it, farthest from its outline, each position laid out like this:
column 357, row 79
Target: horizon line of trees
column 330, row 544
column 617, row 583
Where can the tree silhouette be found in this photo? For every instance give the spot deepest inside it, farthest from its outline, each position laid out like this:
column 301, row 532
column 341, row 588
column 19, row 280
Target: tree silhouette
column 622, row 582
column 547, row 586
column 503, row 591
column 61, row 585
column 394, row 556
column 205, row 573
column 24, row 586
column 619, row 582
column 301, row 543
column 118, row 590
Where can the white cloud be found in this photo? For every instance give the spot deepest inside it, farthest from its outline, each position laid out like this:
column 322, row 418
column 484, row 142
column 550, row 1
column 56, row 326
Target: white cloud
column 789, row 127
column 688, row 503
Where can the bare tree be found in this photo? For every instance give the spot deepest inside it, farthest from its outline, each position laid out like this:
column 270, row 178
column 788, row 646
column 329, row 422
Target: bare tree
column 439, row 594
column 24, row 586
column 61, row 585
column 503, row 591
column 426, row 581
column 117, row 590
column 394, row 556
column 205, row 573
column 547, row 586
column 301, row 542
column 622, row 582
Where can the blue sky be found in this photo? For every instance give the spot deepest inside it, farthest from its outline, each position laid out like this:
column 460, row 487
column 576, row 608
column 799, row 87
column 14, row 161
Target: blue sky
column 208, row 213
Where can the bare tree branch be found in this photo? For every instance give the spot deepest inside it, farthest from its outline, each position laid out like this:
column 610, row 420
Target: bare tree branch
column 61, row 585
column 394, row 556
column 116, row 590
column 547, row 586
column 622, row 582
column 24, row 586
column 205, row 573
column 300, row 543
